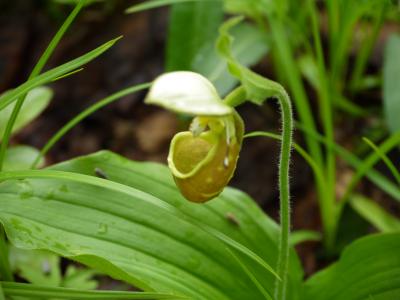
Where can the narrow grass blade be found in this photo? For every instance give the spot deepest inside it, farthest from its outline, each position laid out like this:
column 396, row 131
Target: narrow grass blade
column 2, row 296
column 311, row 162
column 300, row 236
column 384, row 158
column 158, row 3
column 376, row 177
column 54, row 73
column 40, row 292
column 88, row 111
column 375, row 214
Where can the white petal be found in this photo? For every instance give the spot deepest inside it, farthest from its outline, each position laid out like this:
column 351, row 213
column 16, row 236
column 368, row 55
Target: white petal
column 188, row 93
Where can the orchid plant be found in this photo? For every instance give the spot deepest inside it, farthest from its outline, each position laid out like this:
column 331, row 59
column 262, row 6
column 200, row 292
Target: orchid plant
column 177, row 233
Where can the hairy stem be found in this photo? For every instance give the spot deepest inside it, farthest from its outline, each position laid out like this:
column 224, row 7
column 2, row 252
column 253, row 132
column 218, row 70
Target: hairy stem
column 284, row 193
column 237, row 97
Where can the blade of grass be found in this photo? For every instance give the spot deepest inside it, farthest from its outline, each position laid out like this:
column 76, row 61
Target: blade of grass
column 384, row 158
column 2, row 296
column 251, row 275
column 300, row 236
column 157, row 3
column 327, row 202
column 68, row 74
column 366, row 48
column 375, row 214
column 368, row 164
column 381, row 181
column 100, row 182
column 284, row 54
column 48, row 76
column 88, row 111
column 311, row 162
column 20, row 101
column 36, row 71
column 37, row 291
column 5, row 269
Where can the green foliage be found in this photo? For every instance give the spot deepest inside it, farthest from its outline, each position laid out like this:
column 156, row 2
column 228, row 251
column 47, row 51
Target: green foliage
column 121, row 235
column 192, row 25
column 40, row 292
column 249, row 45
column 375, row 214
column 44, row 268
column 20, row 158
column 52, row 74
column 258, row 88
column 36, row 101
column 391, row 88
column 367, row 268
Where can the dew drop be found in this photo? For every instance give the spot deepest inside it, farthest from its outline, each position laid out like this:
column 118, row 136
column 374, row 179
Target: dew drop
column 25, row 190
column 103, row 228
column 64, row 188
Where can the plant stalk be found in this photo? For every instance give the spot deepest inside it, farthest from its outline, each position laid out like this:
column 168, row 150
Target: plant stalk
column 284, row 193
column 237, row 97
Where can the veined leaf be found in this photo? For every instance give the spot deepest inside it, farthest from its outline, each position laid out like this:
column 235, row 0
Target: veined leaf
column 36, row 101
column 368, row 269
column 391, row 88
column 131, row 239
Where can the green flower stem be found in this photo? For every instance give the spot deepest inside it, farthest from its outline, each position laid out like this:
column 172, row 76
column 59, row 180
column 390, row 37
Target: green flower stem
column 237, row 97
column 284, row 191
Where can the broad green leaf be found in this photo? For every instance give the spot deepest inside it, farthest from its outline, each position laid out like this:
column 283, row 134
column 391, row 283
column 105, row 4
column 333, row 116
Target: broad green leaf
column 187, row 93
column 192, row 25
column 368, row 269
column 20, row 158
column 375, row 214
column 52, row 74
column 35, row 102
column 40, row 292
column 391, row 87
column 249, row 46
column 130, row 238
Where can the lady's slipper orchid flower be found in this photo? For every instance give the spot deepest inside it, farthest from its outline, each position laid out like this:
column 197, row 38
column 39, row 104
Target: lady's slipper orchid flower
column 203, row 159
